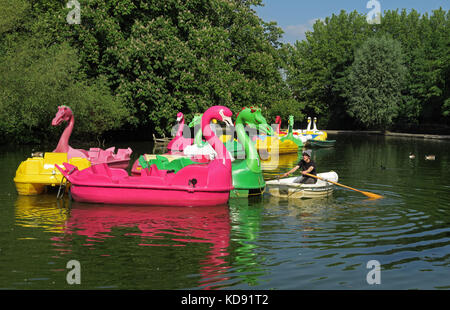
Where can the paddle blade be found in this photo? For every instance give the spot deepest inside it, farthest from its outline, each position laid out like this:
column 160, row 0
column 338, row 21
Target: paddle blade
column 372, row 196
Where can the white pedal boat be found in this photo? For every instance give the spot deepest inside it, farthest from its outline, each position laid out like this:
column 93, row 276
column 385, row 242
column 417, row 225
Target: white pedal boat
column 288, row 188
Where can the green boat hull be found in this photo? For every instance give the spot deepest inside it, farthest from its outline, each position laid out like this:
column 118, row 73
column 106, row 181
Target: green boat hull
column 318, row 143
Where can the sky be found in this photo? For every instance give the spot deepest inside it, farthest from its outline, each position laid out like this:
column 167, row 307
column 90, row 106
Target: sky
column 297, row 16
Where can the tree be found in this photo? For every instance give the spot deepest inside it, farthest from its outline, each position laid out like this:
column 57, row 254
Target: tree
column 374, row 84
column 36, row 77
column 316, row 64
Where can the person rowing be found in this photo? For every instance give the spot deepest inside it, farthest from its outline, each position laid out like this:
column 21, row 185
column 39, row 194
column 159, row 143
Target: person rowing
column 308, row 166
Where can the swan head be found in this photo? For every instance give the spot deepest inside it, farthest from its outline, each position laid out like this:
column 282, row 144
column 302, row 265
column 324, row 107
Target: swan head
column 64, row 114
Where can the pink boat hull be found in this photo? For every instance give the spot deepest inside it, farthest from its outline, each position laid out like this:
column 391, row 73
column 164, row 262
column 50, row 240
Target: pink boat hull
column 102, row 184
column 157, row 197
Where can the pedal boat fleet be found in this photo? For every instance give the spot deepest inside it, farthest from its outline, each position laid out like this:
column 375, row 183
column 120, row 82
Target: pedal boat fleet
column 171, row 179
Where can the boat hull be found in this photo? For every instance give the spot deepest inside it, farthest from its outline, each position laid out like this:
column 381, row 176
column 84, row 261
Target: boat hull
column 286, row 188
column 325, row 143
column 148, row 196
column 36, row 173
column 272, row 145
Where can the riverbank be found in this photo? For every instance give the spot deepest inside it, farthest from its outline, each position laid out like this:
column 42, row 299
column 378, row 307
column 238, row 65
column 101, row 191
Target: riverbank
column 389, row 133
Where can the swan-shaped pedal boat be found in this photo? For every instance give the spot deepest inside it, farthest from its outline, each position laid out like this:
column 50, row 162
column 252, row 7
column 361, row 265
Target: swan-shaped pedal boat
column 194, row 185
column 289, row 188
column 312, row 134
column 193, row 150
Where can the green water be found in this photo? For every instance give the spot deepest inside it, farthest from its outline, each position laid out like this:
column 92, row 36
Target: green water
column 256, row 243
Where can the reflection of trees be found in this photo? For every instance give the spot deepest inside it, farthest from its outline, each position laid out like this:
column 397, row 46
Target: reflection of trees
column 363, row 161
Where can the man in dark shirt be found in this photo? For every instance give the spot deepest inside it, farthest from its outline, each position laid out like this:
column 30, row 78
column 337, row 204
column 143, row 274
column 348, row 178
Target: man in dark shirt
column 308, row 166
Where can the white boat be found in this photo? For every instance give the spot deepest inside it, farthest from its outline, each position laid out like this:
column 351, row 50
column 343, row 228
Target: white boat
column 290, row 188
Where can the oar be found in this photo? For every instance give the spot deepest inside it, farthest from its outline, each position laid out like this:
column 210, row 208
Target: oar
column 368, row 194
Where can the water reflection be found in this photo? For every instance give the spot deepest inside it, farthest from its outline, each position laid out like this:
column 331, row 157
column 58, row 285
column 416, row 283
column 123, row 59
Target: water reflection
column 162, row 226
column 246, row 215
column 42, row 211
column 154, row 226
column 275, row 161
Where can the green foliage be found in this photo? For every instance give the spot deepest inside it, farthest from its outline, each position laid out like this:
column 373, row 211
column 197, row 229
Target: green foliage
column 315, row 65
column 35, row 81
column 11, row 14
column 374, row 83
column 40, row 72
column 162, row 57
column 133, row 64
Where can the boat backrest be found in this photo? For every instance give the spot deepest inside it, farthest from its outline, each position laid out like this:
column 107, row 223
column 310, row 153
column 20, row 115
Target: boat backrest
column 124, row 153
column 55, row 158
column 101, row 169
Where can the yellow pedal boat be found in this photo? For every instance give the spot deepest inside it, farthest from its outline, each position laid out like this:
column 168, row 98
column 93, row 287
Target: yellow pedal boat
column 35, row 173
column 272, row 144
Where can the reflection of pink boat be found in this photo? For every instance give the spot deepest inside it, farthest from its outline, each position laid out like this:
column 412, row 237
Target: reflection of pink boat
column 120, row 159
column 160, row 226
column 194, row 185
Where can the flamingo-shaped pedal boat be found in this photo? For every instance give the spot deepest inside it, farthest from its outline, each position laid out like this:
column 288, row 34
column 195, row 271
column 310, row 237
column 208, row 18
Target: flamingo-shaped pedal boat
column 198, row 152
column 37, row 173
column 278, row 123
column 179, row 142
column 120, row 159
column 194, row 185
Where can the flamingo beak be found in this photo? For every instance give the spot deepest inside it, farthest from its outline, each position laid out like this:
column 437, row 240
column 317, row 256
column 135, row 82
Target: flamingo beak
column 179, row 118
column 57, row 120
column 227, row 120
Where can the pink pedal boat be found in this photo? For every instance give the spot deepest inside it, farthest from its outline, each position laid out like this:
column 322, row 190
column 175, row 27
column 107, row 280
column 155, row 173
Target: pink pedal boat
column 178, row 143
column 194, row 185
column 120, row 159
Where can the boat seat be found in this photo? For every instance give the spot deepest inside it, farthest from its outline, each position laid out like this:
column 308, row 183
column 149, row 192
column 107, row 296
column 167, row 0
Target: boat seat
column 101, row 169
column 123, row 153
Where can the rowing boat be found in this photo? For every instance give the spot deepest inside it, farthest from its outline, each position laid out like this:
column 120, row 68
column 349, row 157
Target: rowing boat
column 290, row 188
column 324, row 143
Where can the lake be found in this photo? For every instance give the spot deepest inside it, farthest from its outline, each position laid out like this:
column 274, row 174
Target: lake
column 251, row 243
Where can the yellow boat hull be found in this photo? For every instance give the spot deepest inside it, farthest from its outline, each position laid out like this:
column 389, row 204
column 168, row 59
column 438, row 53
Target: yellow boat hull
column 35, row 173
column 273, row 144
